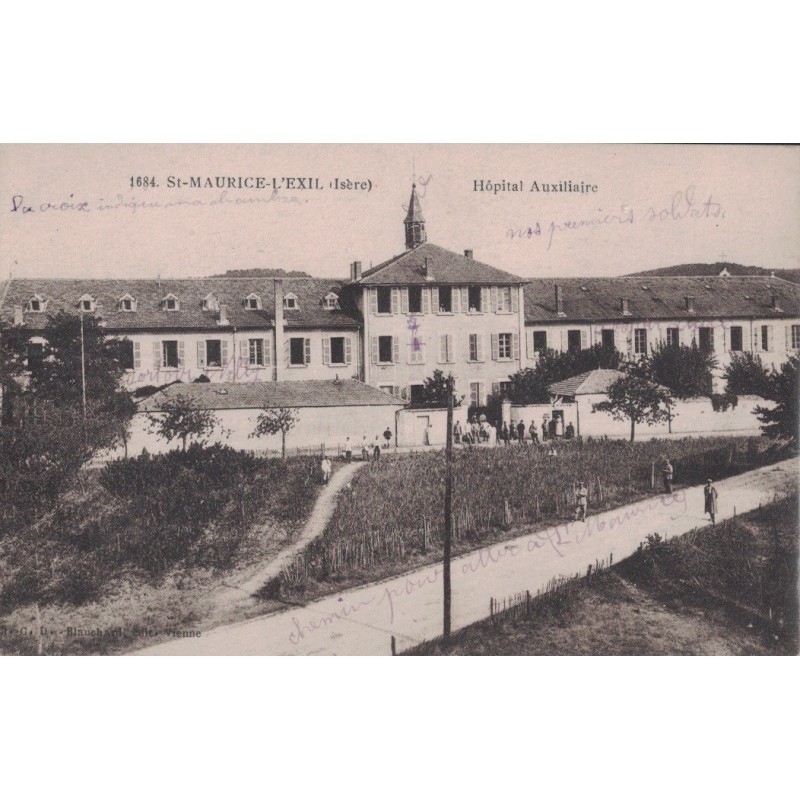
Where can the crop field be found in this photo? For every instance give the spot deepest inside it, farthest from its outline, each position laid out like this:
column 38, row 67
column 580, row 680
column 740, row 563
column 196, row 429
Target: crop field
column 393, row 512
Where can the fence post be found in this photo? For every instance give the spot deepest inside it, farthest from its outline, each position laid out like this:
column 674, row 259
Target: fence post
column 394, row 647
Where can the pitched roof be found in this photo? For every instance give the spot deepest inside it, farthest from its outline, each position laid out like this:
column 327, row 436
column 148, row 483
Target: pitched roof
column 284, row 394
column 660, row 298
column 596, row 381
column 63, row 294
column 444, row 266
column 414, row 208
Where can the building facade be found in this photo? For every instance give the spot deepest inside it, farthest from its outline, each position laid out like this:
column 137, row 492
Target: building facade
column 391, row 326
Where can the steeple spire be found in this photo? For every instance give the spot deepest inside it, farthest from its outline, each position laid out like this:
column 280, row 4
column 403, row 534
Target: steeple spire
column 414, row 222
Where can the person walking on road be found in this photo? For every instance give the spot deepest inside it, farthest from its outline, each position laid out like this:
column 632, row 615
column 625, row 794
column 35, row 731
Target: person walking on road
column 506, row 434
column 376, row 449
column 364, row 449
column 581, row 502
column 669, row 473
column 348, row 450
column 521, row 432
column 387, row 434
column 325, row 466
column 710, row 494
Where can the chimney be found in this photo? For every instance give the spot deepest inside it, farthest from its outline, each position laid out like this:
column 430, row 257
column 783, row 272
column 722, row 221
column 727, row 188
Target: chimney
column 559, row 301
column 355, row 271
column 689, row 303
column 223, row 315
column 18, row 318
column 625, row 305
column 278, row 290
column 468, row 254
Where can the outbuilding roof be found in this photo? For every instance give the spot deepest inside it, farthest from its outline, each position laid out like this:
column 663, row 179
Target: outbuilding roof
column 284, row 394
column 596, row 381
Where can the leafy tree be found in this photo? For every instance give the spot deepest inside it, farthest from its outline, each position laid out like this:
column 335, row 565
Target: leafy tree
column 746, row 374
column 636, row 398
column 12, row 367
column 435, row 390
column 781, row 422
column 686, row 370
column 276, row 420
column 180, row 417
column 59, row 377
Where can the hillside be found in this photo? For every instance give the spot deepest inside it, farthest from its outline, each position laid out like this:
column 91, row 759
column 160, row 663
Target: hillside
column 688, row 270
column 261, row 272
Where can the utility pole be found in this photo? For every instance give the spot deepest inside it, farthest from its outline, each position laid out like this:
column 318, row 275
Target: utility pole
column 83, row 369
column 448, row 507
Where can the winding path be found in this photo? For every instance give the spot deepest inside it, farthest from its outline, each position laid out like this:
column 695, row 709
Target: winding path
column 362, row 620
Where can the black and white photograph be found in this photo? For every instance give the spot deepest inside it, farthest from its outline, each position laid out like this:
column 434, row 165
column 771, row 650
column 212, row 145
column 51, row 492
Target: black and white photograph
column 406, row 400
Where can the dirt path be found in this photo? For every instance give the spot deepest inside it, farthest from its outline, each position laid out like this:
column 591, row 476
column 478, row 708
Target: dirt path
column 362, row 620
column 233, row 601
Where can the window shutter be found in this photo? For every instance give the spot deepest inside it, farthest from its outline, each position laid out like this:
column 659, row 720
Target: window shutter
column 348, row 350
column 456, row 295
column 515, row 347
column 373, row 301
column 404, row 393
column 494, row 299
column 770, row 341
column 326, row 350
column 442, row 347
column 201, row 353
column 307, row 348
column 630, row 342
column 286, row 352
column 426, row 300
column 451, row 348
column 435, row 299
column 137, row 355
column 725, row 336
column 485, row 299
column 244, row 353
column 395, row 349
column 496, row 389
column 395, row 301
column 495, row 346
column 464, row 299
column 223, row 353
column 374, row 349
column 267, row 352
column 404, row 300
column 157, row 351
column 788, row 342
column 529, row 344
column 515, row 299
column 479, row 340
column 584, row 339
column 181, row 354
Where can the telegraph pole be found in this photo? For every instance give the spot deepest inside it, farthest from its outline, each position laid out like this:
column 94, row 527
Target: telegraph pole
column 448, row 507
column 83, row 369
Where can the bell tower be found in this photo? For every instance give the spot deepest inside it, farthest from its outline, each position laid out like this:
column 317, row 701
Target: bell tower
column 414, row 222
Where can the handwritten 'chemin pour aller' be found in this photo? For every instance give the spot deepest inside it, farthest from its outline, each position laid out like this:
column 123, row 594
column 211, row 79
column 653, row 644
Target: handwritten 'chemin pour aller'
column 22, row 207
column 683, row 206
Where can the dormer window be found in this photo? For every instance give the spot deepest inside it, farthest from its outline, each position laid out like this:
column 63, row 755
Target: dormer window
column 86, row 304
column 210, row 303
column 290, row 302
column 331, row 301
column 36, row 304
column 127, row 303
column 252, row 302
column 170, row 303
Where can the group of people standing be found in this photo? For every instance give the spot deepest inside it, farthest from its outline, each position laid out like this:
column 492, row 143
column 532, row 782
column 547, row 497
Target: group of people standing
column 480, row 430
column 370, row 450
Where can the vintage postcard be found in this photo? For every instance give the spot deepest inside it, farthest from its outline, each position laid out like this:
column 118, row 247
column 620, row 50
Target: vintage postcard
column 399, row 400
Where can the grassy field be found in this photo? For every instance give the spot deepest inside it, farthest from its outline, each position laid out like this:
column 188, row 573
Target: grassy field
column 145, row 549
column 724, row 590
column 391, row 519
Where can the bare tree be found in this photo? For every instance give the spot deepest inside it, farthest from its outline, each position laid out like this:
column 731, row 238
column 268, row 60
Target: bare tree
column 275, row 420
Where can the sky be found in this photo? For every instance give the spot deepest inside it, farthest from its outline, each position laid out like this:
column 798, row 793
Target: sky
column 70, row 210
